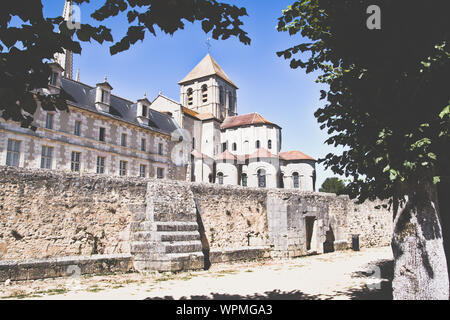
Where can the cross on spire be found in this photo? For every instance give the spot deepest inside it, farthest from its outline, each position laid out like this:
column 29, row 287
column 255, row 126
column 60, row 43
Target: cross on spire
column 208, row 44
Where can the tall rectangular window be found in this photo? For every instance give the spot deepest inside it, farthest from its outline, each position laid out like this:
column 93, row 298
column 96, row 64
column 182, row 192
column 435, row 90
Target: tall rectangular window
column 144, row 111
column 46, row 157
column 13, row 153
column 160, row 149
column 49, row 121
column 75, row 161
column 104, row 97
column 143, row 143
column 101, row 165
column 160, row 173
column 54, row 79
column 142, row 170
column 123, row 140
column 101, row 134
column 123, row 168
column 77, row 130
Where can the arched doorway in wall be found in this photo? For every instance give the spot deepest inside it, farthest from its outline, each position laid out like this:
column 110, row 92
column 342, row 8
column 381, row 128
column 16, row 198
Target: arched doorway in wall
column 309, row 229
column 262, row 178
column 328, row 245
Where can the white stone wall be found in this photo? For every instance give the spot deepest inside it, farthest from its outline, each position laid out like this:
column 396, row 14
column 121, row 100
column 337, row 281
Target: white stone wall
column 246, row 137
column 305, row 171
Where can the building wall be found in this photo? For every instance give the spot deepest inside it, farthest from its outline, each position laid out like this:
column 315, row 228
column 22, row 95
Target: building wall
column 213, row 104
column 64, row 142
column 246, row 137
column 47, row 214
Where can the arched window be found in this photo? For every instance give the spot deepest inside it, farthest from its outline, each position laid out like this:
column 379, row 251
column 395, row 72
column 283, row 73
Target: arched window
column 269, row 144
column 190, row 97
column 258, row 144
column 282, row 180
column 222, row 96
column 204, row 93
column 295, row 177
column 231, row 103
column 244, row 180
column 220, row 177
column 246, row 147
column 261, row 178
column 234, row 146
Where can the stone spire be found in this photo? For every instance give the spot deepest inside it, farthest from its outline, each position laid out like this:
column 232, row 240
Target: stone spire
column 65, row 59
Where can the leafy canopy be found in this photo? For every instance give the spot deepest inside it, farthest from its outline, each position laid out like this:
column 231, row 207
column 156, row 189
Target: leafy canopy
column 333, row 185
column 388, row 98
column 27, row 47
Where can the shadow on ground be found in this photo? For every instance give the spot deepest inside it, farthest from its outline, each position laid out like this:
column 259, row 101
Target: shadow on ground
column 383, row 292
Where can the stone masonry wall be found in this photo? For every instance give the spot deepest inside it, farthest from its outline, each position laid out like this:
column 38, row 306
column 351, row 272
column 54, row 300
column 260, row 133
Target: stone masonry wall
column 232, row 216
column 49, row 214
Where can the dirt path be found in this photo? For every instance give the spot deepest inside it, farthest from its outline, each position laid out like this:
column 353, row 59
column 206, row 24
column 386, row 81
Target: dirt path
column 342, row 275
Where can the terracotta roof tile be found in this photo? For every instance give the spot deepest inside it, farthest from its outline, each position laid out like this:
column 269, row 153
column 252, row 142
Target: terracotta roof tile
column 261, row 153
column 295, row 155
column 190, row 112
column 245, row 120
column 207, row 67
column 226, row 155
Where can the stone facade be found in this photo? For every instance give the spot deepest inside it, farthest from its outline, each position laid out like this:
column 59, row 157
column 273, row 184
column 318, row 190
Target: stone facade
column 227, row 148
column 173, row 225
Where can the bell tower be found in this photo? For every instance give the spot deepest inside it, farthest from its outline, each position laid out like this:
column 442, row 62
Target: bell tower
column 208, row 89
column 65, row 59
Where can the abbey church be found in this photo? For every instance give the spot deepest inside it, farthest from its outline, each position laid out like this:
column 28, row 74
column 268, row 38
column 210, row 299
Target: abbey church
column 200, row 138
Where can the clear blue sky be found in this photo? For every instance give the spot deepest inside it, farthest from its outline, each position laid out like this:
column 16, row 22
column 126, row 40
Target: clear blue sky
column 267, row 84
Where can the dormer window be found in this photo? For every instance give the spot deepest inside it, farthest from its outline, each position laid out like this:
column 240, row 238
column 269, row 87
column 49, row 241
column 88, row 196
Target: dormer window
column 54, row 78
column 204, row 93
column 103, row 96
column 144, row 111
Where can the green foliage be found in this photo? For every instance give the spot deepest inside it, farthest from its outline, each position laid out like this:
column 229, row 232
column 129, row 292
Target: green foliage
column 27, row 47
column 388, row 96
column 333, row 185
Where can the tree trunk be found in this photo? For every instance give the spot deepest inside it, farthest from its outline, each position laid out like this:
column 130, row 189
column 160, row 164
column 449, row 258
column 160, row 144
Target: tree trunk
column 420, row 266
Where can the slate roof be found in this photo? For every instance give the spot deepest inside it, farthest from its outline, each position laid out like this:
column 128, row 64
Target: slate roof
column 83, row 96
column 245, row 120
column 207, row 67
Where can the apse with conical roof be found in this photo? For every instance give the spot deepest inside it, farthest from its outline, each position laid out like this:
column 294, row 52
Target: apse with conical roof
column 207, row 89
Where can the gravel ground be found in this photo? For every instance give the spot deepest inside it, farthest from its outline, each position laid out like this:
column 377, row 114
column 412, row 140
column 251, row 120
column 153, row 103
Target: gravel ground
column 344, row 275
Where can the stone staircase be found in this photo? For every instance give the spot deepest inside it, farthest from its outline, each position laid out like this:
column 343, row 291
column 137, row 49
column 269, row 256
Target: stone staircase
column 166, row 245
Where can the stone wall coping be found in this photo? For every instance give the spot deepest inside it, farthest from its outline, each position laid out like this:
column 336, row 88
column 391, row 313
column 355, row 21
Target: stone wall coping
column 68, row 260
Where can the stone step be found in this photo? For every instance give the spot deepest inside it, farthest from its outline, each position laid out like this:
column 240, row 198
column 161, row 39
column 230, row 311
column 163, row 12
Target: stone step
column 184, row 256
column 176, row 226
column 143, row 247
column 179, row 236
column 166, row 236
column 183, row 246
